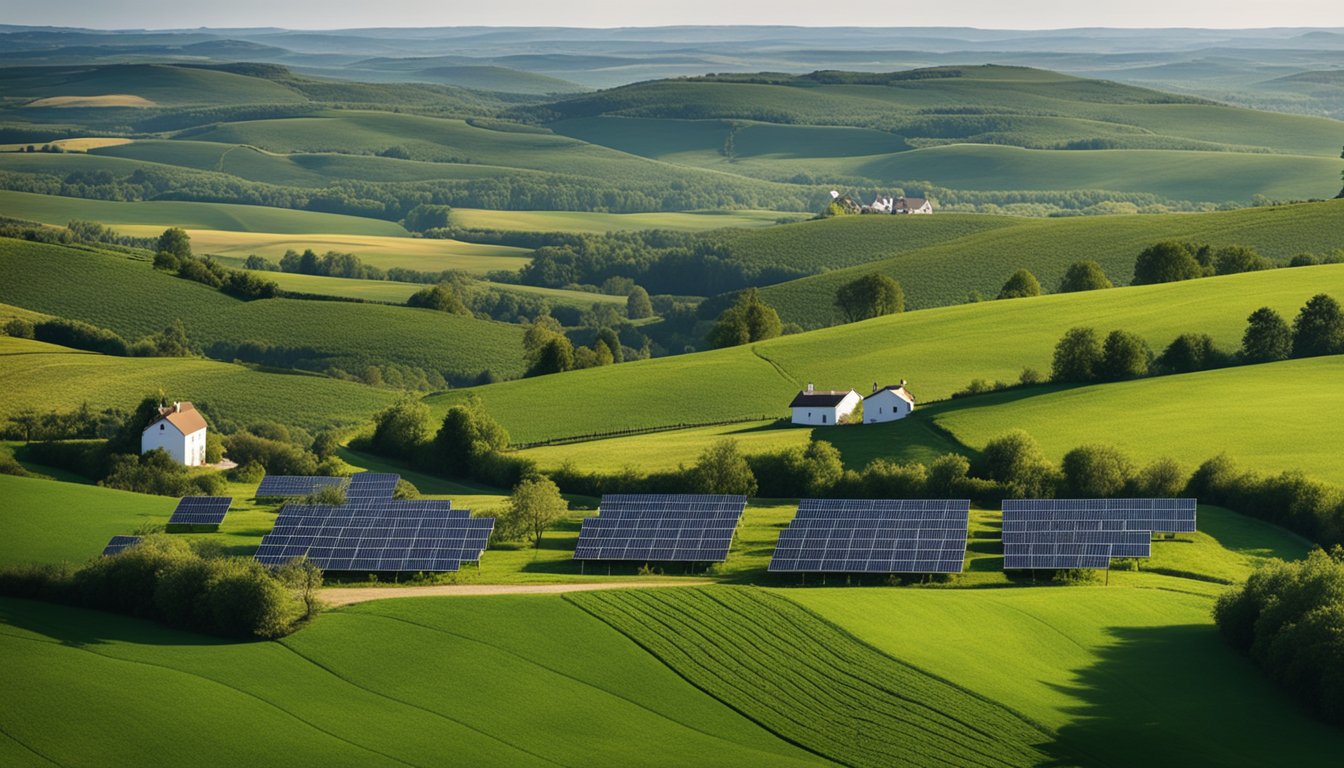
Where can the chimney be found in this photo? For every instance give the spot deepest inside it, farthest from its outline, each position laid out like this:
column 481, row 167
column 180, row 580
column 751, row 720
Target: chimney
column 902, row 383
column 177, row 406
column 874, row 387
column 809, row 387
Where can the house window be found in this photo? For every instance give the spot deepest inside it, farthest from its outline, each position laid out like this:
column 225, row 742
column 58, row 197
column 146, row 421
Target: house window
column 160, row 427
column 823, row 418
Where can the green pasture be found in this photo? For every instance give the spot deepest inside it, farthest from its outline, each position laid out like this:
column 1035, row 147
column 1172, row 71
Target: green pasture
column 938, row 350
column 51, row 209
column 496, row 681
column 1121, row 675
column 46, row 377
column 1269, row 418
column 935, row 273
column 597, row 223
column 390, row 291
column 163, row 85
column 133, row 299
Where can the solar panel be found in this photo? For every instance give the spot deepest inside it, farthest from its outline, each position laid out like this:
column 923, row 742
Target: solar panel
column 200, row 510
column 405, row 536
column 1156, row 515
column 119, row 543
column 371, row 485
column 695, row 528
column 280, row 486
column 1087, row 533
column 874, row 536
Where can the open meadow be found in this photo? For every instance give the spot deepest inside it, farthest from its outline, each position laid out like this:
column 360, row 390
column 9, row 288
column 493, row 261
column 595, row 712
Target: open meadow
column 645, row 264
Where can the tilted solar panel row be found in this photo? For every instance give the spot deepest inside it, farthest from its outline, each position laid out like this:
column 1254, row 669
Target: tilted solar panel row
column 118, row 544
column 371, row 485
column 661, row 527
column 200, row 510
column 875, row 536
column 281, row 486
column 1156, row 515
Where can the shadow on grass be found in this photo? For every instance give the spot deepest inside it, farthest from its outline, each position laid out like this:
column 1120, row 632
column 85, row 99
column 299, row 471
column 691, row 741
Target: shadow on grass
column 1179, row 696
column 81, row 626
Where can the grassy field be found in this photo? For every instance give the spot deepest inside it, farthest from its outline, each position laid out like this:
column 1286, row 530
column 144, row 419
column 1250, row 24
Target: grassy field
column 397, row 293
column 1268, row 417
column 811, row 682
column 1123, row 676
column 162, row 85
column 47, row 377
column 51, row 209
column 577, row 221
column 500, row 681
column 938, row 350
column 132, row 299
column 940, row 264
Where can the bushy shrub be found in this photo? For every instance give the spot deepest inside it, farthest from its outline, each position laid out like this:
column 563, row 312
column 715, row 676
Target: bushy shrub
column 1191, row 352
column 273, row 456
column 1020, row 285
column 1167, row 262
column 77, row 335
column 1078, row 356
column 155, row 472
column 1016, row 461
column 1124, row 355
column 1096, row 472
column 1289, row 618
column 723, row 469
column 1084, row 276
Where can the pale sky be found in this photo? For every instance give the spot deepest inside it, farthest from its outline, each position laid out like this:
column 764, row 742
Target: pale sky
column 987, row 14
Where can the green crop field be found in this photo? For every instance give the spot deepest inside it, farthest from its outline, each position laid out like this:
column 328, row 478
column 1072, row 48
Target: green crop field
column 1268, row 417
column 501, row 681
column 946, row 272
column 1122, row 676
column 579, row 221
column 51, row 209
column 45, row 377
column 131, row 298
column 385, row 252
column 938, row 350
column 161, row 85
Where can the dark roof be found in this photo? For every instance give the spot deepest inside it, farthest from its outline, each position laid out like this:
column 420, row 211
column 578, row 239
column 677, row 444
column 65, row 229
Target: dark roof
column 898, row 388
column 819, row 398
column 910, row 202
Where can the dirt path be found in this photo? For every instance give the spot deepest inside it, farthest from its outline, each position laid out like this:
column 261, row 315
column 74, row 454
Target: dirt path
column 338, row 596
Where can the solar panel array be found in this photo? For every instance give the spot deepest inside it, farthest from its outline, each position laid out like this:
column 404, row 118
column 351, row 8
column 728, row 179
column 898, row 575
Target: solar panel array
column 200, row 510
column 119, row 543
column 694, row 528
column 1087, row 533
column 371, row 486
column 874, row 536
column 407, row 536
column 280, row 486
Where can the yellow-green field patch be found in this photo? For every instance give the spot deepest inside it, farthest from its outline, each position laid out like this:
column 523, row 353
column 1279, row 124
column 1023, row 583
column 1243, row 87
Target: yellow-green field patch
column 103, row 100
column 578, row 221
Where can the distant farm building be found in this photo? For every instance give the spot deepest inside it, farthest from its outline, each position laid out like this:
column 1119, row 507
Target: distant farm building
column 179, row 430
column 893, row 205
column 817, row 407
column 888, row 403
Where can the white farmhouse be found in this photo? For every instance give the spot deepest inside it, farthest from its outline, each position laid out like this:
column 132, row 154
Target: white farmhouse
column 817, row 407
column 900, row 205
column 179, row 430
column 888, row 403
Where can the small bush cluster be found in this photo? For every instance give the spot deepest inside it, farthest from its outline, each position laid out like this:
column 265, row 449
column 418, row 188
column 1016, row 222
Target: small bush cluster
column 1289, row 618
column 468, row 443
column 166, row 579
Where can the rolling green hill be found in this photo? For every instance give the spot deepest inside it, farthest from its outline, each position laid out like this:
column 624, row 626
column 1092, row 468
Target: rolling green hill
column 134, row 300
column 59, row 211
column 936, row 267
column 1268, row 417
column 45, row 377
column 169, row 86
column 501, row 681
column 938, row 350
column 985, row 104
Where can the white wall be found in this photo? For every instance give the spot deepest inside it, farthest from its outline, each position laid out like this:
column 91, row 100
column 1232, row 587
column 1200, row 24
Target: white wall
column 820, row 416
column 188, row 450
column 885, row 406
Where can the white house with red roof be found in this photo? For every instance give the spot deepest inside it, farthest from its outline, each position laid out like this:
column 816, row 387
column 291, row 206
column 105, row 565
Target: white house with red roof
column 888, row 403
column 180, row 430
column 815, row 407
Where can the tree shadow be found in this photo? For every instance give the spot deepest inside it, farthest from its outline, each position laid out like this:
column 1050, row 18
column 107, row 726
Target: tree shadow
column 1179, row 696
column 77, row 627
